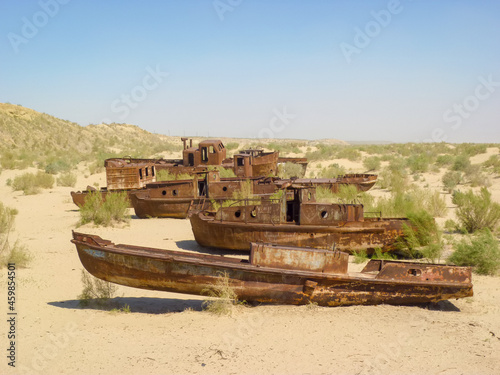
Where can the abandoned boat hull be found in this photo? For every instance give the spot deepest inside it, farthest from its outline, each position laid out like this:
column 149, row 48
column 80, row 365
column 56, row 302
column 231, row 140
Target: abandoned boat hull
column 353, row 236
column 191, row 273
column 176, row 208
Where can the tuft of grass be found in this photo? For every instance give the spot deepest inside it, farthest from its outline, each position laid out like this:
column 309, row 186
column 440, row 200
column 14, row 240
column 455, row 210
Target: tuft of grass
column 113, row 209
column 480, row 251
column 378, row 254
column 31, row 183
column 95, row 291
column 476, row 211
column 67, row 179
column 223, row 297
column 165, row 175
column 360, row 256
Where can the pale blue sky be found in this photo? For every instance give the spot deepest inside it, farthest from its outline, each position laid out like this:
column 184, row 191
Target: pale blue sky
column 403, row 71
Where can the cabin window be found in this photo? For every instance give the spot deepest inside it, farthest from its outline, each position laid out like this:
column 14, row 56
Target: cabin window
column 414, row 272
column 147, row 172
column 224, row 188
column 153, row 170
column 174, row 192
column 324, row 214
column 237, row 213
column 253, row 213
column 191, row 159
column 240, row 162
column 211, row 149
column 164, row 192
column 140, row 173
column 204, row 155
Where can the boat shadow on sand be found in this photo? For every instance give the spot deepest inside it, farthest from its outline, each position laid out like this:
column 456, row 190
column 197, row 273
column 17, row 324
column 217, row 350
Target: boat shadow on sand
column 152, row 305
column 145, row 305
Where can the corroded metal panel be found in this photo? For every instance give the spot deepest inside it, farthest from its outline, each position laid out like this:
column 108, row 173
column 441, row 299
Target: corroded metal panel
column 298, row 258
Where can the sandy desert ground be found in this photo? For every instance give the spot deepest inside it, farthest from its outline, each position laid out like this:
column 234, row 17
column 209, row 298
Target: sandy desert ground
column 167, row 333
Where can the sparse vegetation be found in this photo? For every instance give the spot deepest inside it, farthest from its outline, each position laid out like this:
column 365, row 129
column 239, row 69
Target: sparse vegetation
column 476, row 211
column 31, row 183
column 17, row 253
column 96, row 292
column 372, row 163
column 289, row 170
column 422, row 238
column 113, row 209
column 67, row 179
column 223, row 298
column 480, row 251
column 451, row 179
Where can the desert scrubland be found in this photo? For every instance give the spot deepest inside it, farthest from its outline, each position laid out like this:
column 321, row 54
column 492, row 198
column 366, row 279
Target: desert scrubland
column 151, row 332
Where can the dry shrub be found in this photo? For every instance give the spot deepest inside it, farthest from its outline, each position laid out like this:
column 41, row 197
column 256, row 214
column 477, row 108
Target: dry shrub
column 223, row 298
column 31, row 183
column 17, row 253
column 113, row 209
column 67, row 179
column 95, row 291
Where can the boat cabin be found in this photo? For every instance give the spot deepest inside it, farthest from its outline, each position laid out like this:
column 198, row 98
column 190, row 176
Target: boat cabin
column 127, row 173
column 209, row 152
column 297, row 206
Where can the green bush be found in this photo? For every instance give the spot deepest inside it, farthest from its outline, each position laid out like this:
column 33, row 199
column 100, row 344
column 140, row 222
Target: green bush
column 444, row 160
column 461, row 163
column 58, row 166
column 332, row 171
column 67, row 179
column 113, row 209
column 451, row 179
column 422, row 238
column 480, row 251
column 418, row 163
column 475, row 212
column 31, row 183
column 372, row 163
column 289, row 170
column 95, row 291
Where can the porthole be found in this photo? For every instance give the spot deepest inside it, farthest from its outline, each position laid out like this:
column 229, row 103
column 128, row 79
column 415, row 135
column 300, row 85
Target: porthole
column 237, row 213
column 174, row 192
column 164, row 192
column 253, row 213
column 224, row 188
column 324, row 214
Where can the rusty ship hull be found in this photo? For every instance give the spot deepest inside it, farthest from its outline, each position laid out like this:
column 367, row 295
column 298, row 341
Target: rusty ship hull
column 368, row 235
column 274, row 275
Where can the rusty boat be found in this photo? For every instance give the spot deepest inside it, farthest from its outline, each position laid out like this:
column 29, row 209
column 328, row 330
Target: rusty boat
column 274, row 274
column 122, row 175
column 296, row 219
column 175, row 199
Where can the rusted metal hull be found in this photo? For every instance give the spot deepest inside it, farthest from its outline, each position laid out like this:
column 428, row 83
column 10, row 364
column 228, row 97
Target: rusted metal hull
column 177, row 208
column 181, row 272
column 352, row 236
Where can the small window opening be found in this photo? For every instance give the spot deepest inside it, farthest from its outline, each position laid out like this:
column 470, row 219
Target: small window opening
column 174, row 192
column 237, row 213
column 164, row 192
column 324, row 214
